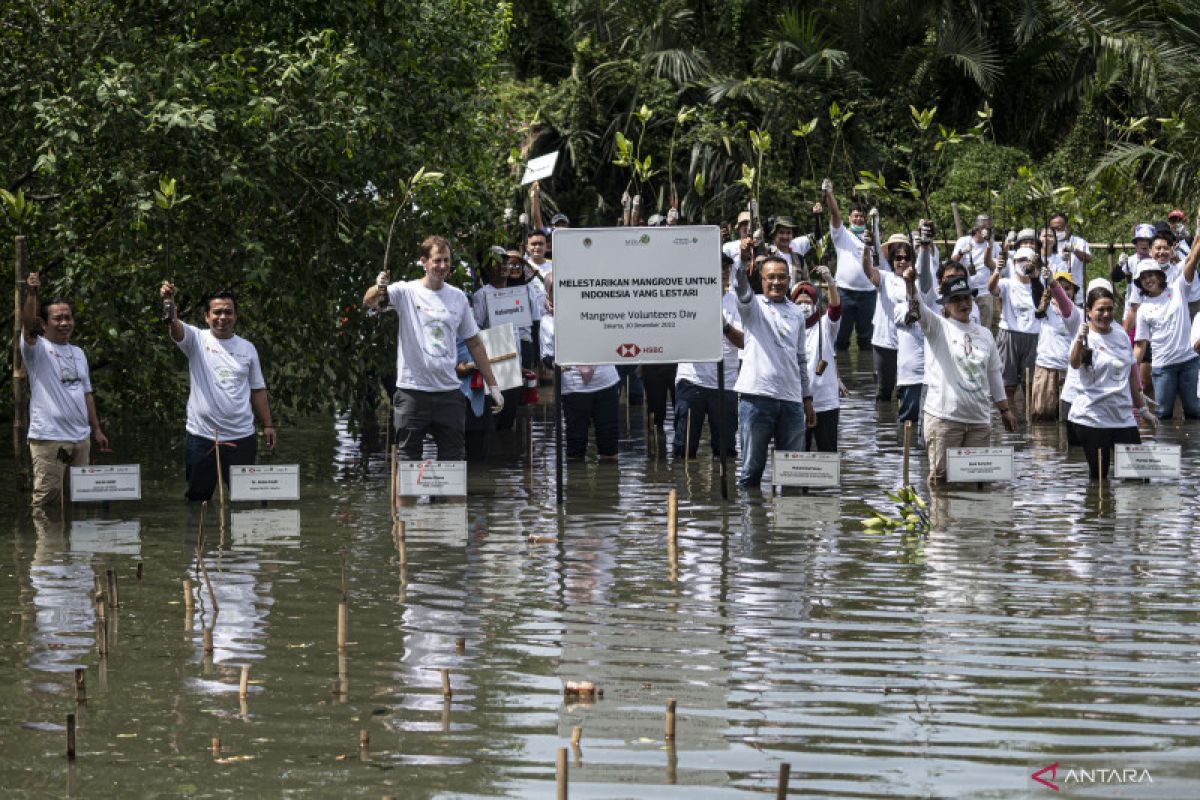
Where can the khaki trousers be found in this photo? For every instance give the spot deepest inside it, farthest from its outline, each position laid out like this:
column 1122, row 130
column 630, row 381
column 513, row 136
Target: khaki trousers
column 49, row 469
column 943, row 433
column 1047, row 388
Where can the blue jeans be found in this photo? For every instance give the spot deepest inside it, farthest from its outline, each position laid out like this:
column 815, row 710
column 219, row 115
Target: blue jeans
column 694, row 403
column 1177, row 379
column 762, row 419
column 858, row 311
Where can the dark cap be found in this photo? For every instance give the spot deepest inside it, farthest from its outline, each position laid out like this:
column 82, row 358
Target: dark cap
column 783, row 222
column 1164, row 230
column 956, row 287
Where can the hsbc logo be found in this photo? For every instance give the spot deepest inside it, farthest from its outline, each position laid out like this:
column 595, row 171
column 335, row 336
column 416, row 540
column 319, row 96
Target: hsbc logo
column 628, row 350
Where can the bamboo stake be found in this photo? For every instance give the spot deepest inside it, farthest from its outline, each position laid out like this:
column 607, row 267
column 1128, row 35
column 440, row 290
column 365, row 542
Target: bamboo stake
column 672, row 514
column 113, row 595
column 208, row 641
column 139, row 570
column 670, row 725
column 80, row 685
column 364, row 742
column 401, row 545
column 341, row 627
column 907, row 448
column 20, row 377
column 576, row 735
column 785, row 773
column 392, row 501
column 562, row 773
column 188, row 602
column 70, row 737
column 446, row 692
column 216, row 747
column 220, row 475
column 244, row 683
column 460, row 645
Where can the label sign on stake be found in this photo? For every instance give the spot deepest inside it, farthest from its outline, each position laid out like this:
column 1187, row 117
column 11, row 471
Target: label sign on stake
column 813, row 470
column 419, row 478
column 1147, row 460
column 538, row 168
column 510, row 305
column 637, row 295
column 979, row 464
column 98, row 483
column 264, row 482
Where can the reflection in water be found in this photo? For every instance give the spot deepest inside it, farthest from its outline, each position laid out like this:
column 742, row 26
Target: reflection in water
column 1043, row 621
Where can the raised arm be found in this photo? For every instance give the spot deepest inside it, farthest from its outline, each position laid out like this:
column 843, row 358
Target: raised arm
column 1189, row 266
column 535, row 205
column 377, row 296
column 868, row 263
column 1065, row 306
column 831, row 203
column 30, row 326
column 174, row 326
column 994, row 283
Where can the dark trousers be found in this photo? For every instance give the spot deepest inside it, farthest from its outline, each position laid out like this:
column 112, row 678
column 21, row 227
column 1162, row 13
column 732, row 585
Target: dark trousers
column 478, row 430
column 629, row 378
column 599, row 409
column 200, row 462
column 439, row 414
column 858, row 312
column 659, row 380
column 824, row 437
column 885, row 373
column 692, row 404
column 1097, row 444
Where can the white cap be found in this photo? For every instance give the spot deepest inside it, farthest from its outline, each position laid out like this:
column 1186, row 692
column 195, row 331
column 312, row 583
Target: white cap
column 1099, row 283
column 1024, row 254
column 1147, row 265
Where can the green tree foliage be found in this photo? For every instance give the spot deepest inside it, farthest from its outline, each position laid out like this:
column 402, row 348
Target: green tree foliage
column 255, row 146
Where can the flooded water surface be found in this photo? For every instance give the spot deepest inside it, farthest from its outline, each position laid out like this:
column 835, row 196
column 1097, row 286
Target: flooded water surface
column 1040, row 623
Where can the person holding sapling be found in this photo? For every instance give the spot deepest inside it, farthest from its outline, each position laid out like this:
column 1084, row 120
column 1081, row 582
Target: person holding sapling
column 227, row 391
column 509, row 272
column 1072, row 252
column 775, row 400
column 1017, row 340
column 821, row 328
column 1163, row 326
column 978, row 252
column 1105, row 392
column 858, row 295
column 1060, row 320
column 962, row 374
column 432, row 316
column 876, row 264
column 62, row 410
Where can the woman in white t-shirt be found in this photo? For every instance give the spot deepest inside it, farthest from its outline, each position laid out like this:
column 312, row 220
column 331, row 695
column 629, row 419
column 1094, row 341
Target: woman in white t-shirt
column 1105, row 396
column 1017, row 339
column 1163, row 325
column 821, row 330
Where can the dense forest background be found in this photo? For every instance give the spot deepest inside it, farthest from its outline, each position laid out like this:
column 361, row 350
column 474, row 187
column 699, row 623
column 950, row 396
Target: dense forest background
column 267, row 147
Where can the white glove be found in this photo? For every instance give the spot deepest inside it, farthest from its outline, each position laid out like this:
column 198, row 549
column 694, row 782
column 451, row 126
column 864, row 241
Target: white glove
column 827, row 186
column 1123, row 260
column 672, row 217
column 383, row 279
column 823, row 273
column 1147, row 416
column 497, row 399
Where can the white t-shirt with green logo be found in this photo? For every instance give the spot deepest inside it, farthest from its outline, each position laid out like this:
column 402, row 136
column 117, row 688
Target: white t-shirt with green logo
column 222, row 372
column 430, row 323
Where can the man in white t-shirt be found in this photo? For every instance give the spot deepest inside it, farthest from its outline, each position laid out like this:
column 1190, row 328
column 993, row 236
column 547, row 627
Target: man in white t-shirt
column 431, row 317
column 227, row 390
column 62, row 411
column 774, row 394
column 1073, row 251
column 857, row 292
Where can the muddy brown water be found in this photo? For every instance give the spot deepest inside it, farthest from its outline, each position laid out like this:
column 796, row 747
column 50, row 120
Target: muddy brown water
column 1041, row 622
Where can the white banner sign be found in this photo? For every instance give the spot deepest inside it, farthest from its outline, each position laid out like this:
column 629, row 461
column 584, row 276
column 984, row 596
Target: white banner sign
column 265, row 526
column 116, row 482
column 637, row 295
column 419, row 478
column 509, row 305
column 1147, row 460
column 505, row 356
column 979, row 464
column 264, row 482
column 539, row 168
column 440, row 522
column 797, row 468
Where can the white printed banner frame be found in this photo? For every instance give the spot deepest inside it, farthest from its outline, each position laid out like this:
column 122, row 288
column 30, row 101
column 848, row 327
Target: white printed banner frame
column 504, row 353
column 101, row 483
column 1145, row 461
column 980, row 464
column 637, row 295
column 811, row 470
column 442, row 478
column 252, row 482
column 512, row 304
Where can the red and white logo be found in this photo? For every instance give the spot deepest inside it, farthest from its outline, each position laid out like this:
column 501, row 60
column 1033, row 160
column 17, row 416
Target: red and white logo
column 1053, row 770
column 628, row 350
